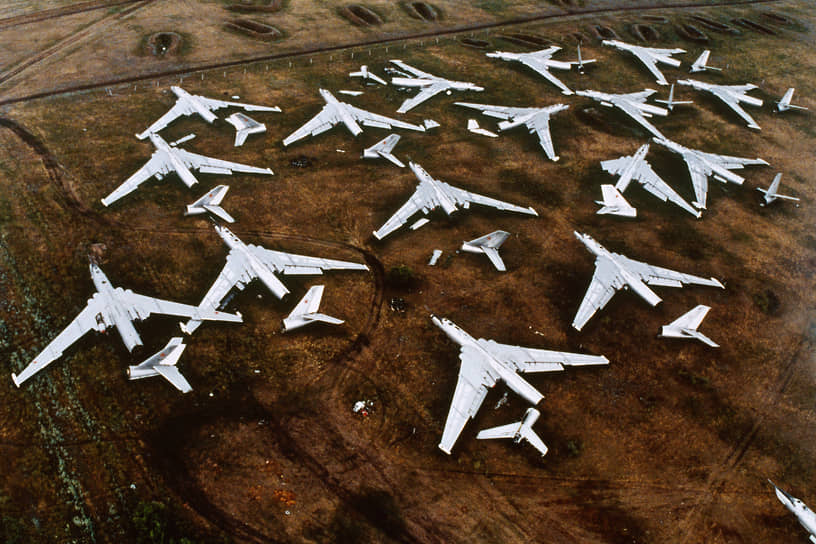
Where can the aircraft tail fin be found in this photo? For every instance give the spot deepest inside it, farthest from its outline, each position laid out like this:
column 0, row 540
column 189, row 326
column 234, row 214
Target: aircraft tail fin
column 502, row 431
column 613, row 203
column 172, row 375
column 530, row 435
column 493, row 240
column 219, row 212
column 323, row 318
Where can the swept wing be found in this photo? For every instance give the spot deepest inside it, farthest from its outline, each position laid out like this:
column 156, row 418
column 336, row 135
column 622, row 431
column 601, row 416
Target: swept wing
column 471, row 388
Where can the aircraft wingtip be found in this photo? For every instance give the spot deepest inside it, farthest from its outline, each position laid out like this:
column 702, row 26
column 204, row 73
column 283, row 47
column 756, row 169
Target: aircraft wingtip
column 16, row 381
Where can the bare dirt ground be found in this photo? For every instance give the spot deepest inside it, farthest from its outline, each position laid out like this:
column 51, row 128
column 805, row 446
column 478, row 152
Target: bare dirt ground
column 672, row 442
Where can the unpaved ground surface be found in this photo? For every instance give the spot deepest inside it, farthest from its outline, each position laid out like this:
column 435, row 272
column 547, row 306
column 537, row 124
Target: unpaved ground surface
column 672, row 442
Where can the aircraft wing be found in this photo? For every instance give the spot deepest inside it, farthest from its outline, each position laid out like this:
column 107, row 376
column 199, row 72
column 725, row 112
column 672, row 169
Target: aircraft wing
column 648, row 178
column 655, row 275
column 733, row 103
column 634, row 112
column 292, row 264
column 605, row 283
column 181, row 107
column 540, row 124
column 691, row 319
column 416, row 72
column 209, row 165
column 464, row 197
column 471, row 389
column 424, row 94
column 155, row 165
column 214, row 104
column 172, row 374
column 499, row 112
column 651, row 64
column 542, row 68
column 538, row 360
column 380, row 121
column 502, row 431
column 536, row 442
column 422, row 199
column 142, row 306
column 236, row 272
column 699, row 173
column 76, row 329
column 318, row 124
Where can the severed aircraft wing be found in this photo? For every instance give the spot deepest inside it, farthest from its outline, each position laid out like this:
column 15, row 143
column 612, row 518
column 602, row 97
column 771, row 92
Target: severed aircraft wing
column 375, row 120
column 214, row 104
column 423, row 199
column 424, row 94
column 209, row 165
column 465, row 197
column 540, row 66
column 634, row 112
column 651, row 64
column 76, row 329
column 502, row 431
column 734, row 104
column 323, row 121
column 535, row 441
column 180, row 108
column 699, row 172
column 153, row 166
column 648, row 178
column 540, row 124
column 691, row 319
column 471, row 389
column 538, row 360
column 499, row 112
column 292, row 264
column 416, row 72
column 655, row 275
column 605, row 283
column 172, row 374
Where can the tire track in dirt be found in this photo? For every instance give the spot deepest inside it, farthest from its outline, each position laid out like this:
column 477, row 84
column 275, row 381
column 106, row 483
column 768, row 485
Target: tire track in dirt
column 717, row 480
column 48, row 14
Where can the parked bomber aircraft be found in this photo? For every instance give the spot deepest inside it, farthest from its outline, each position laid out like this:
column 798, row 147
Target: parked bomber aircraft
column 701, row 165
column 634, row 167
column 335, row 112
column 429, row 85
column 163, row 364
column 731, row 95
column 188, row 104
column 649, row 56
column 486, row 362
column 784, row 103
column 518, row 431
column 115, row 307
column 541, row 62
column 211, row 202
column 614, row 272
column 700, row 65
column 383, row 149
column 799, row 509
column 686, row 325
column 537, row 120
column 489, row 244
column 168, row 158
column 306, row 311
column 771, row 194
column 246, row 262
column 432, row 193
column 632, row 104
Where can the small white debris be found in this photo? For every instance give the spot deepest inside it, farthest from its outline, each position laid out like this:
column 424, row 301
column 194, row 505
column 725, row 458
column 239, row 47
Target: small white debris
column 236, row 97
column 256, row 371
column 419, row 223
column 287, row 512
column 435, row 257
column 430, row 123
column 340, row 150
column 351, row 93
column 133, row 486
column 211, row 394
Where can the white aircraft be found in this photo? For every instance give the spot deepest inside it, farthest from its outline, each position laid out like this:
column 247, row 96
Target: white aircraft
column 383, row 149
column 649, row 56
column 489, row 244
column 632, row 104
column 537, row 120
column 671, row 102
column 635, row 168
column 771, row 193
column 335, row 112
column 167, row 158
column 163, row 364
column 244, row 126
column 613, row 203
column 114, row 307
column 473, row 126
column 580, row 63
column 686, row 325
column 784, row 103
column 306, row 311
column 211, row 203
column 485, row 362
column 368, row 75
column 614, row 272
column 432, row 193
column 429, row 85
column 805, row 515
column 518, row 431
column 732, row 95
column 701, row 165
column 246, row 262
column 541, row 62
column 700, row 65
column 188, row 104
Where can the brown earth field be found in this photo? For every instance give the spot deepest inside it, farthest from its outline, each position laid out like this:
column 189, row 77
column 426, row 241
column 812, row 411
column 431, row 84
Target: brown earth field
column 673, row 441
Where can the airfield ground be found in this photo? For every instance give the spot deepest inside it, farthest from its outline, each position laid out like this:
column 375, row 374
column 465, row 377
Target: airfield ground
column 672, row 442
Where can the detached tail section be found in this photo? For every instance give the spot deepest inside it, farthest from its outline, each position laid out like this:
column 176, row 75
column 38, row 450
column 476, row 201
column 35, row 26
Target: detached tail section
column 489, row 244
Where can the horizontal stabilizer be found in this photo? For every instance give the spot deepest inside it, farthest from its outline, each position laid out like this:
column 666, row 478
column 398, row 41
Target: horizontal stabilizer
column 613, row 203
column 220, row 212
